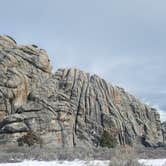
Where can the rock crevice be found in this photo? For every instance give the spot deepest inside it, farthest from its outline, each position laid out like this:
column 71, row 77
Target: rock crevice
column 68, row 108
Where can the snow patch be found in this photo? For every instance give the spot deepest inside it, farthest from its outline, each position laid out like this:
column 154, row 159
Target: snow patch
column 59, row 163
column 149, row 162
column 153, row 162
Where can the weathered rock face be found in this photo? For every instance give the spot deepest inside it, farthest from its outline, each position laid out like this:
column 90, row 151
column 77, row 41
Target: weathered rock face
column 68, row 108
column 164, row 131
column 22, row 68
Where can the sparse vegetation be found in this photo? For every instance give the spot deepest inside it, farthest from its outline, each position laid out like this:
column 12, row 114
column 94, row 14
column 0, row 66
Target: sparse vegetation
column 119, row 156
column 15, row 153
column 30, row 139
column 124, row 156
column 108, row 140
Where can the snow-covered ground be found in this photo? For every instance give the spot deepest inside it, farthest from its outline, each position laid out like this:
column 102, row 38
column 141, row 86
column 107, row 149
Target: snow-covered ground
column 152, row 162
column 59, row 163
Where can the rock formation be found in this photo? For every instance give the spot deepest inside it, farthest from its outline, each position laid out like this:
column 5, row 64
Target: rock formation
column 163, row 126
column 68, row 108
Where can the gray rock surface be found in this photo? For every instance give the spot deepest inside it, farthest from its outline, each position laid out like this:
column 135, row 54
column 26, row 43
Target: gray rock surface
column 164, row 131
column 22, row 68
column 68, row 108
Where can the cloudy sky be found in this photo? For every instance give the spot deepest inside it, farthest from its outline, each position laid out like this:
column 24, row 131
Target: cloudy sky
column 123, row 41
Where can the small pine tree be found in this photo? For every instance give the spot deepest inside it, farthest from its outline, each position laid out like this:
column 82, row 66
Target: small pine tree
column 108, row 140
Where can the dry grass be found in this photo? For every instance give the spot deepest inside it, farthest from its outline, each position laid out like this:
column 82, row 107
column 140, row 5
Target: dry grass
column 120, row 156
column 124, row 156
column 16, row 153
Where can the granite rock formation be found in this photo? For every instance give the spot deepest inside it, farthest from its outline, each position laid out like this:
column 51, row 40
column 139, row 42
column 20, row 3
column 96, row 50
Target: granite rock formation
column 68, row 108
column 163, row 126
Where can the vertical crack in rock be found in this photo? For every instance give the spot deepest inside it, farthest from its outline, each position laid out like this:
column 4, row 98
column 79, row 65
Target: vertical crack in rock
column 68, row 108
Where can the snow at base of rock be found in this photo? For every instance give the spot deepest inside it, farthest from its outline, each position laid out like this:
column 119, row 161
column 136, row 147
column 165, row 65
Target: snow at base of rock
column 152, row 162
column 59, row 163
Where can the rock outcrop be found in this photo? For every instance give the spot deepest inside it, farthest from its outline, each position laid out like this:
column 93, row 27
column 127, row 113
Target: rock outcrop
column 163, row 126
column 68, row 108
column 22, row 69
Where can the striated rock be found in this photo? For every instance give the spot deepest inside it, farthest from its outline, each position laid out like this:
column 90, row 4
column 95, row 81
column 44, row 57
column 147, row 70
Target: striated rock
column 68, row 108
column 163, row 125
column 22, row 68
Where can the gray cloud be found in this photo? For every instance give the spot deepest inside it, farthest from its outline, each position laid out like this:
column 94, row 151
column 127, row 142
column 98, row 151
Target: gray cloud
column 122, row 41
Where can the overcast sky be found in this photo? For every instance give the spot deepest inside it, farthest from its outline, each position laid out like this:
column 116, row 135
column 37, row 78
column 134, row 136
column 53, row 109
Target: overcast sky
column 123, row 41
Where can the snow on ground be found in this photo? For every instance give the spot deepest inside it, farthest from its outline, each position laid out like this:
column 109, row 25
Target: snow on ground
column 154, row 162
column 59, row 163
column 151, row 162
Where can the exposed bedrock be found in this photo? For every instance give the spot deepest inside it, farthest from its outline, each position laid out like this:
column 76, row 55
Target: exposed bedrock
column 68, row 108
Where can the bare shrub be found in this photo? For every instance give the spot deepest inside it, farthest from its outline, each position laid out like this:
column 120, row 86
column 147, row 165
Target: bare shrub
column 30, row 139
column 120, row 156
column 124, row 156
column 17, row 153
